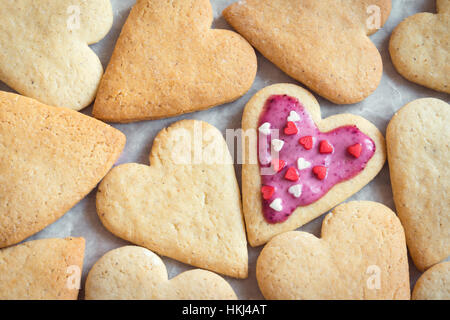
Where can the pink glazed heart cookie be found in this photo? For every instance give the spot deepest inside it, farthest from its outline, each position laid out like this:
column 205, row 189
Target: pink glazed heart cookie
column 300, row 166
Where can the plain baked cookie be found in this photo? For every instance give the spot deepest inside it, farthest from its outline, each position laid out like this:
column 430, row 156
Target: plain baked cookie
column 44, row 52
column 361, row 255
column 434, row 284
column 48, row 269
column 50, row 158
column 186, row 205
column 260, row 231
column 420, row 48
column 419, row 155
column 324, row 44
column 135, row 273
column 168, row 61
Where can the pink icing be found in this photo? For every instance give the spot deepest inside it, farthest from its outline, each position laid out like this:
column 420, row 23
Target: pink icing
column 340, row 164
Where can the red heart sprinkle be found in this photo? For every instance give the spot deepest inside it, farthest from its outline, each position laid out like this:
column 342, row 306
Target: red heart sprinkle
column 325, row 147
column 291, row 174
column 307, row 142
column 267, row 192
column 290, row 128
column 278, row 164
column 320, row 172
column 355, row 150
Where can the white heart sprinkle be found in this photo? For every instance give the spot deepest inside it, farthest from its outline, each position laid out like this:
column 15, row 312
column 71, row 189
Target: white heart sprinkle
column 303, row 164
column 277, row 144
column 265, row 128
column 293, row 116
column 296, row 190
column 276, row 205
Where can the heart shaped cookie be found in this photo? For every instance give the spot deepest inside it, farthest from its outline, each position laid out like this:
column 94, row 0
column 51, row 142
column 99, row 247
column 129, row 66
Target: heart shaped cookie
column 434, row 284
column 50, row 158
column 44, row 52
column 186, row 205
column 323, row 162
column 324, row 44
column 420, row 48
column 168, row 61
column 361, row 255
column 48, row 269
column 135, row 273
column 419, row 155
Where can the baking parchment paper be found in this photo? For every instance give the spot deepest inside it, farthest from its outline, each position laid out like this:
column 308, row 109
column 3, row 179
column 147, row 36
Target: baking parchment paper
column 392, row 93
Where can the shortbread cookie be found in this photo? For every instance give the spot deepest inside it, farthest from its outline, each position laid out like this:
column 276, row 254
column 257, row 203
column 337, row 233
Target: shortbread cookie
column 420, row 48
column 186, row 205
column 324, row 44
column 135, row 273
column 168, row 61
column 48, row 269
column 44, row 52
column 434, row 284
column 50, row 158
column 309, row 168
column 361, row 255
column 419, row 156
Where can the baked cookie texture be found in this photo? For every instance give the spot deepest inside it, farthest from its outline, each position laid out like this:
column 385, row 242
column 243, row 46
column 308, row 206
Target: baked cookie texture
column 44, row 52
column 186, row 205
column 361, row 255
column 50, row 158
column 168, row 61
column 420, row 48
column 259, row 231
column 418, row 153
column 324, row 44
column 434, row 284
column 135, row 273
column 48, row 269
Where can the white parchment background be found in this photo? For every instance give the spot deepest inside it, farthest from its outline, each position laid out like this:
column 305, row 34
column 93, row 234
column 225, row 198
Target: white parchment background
column 393, row 92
